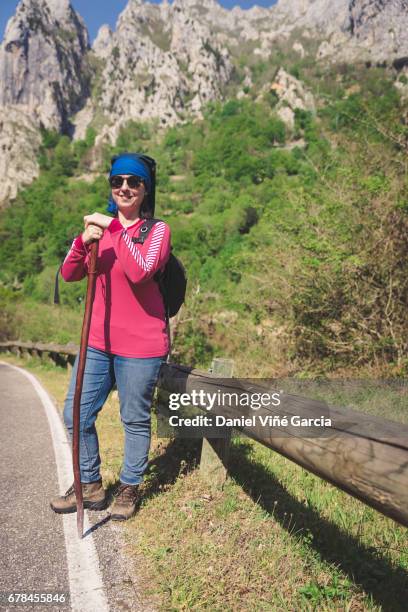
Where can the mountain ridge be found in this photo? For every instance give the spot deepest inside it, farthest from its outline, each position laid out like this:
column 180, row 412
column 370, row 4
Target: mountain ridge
column 165, row 61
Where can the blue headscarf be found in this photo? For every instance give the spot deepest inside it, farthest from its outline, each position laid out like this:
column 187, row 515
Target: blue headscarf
column 128, row 163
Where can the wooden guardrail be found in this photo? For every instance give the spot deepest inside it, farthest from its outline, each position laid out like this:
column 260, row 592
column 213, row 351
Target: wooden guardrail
column 364, row 455
column 62, row 355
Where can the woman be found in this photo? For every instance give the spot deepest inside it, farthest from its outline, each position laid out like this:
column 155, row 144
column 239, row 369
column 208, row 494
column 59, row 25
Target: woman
column 128, row 340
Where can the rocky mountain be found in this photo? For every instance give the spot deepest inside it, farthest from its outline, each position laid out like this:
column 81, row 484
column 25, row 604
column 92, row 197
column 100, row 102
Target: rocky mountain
column 291, row 95
column 166, row 61
column 373, row 31
column 19, row 144
column 161, row 62
column 44, row 79
column 43, row 62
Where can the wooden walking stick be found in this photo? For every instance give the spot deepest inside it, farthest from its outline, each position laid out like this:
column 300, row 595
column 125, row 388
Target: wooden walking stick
column 78, row 386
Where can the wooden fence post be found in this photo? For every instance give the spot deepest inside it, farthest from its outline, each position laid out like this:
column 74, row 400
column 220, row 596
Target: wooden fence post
column 215, row 451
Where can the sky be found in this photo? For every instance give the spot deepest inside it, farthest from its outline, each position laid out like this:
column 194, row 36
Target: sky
column 97, row 12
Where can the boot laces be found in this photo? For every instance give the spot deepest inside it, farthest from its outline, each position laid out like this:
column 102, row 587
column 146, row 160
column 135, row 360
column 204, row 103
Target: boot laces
column 69, row 491
column 72, row 489
column 126, row 493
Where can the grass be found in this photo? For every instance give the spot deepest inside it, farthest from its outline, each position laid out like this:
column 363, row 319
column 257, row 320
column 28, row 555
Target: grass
column 276, row 537
column 36, row 322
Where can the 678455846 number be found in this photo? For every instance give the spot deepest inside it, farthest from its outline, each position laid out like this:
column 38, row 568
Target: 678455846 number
column 33, row 597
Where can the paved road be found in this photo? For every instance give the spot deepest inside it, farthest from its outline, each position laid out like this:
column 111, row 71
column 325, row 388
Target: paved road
column 31, row 537
column 39, row 549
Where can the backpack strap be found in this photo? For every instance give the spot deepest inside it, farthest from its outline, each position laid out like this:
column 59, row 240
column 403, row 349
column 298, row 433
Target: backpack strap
column 144, row 231
column 56, row 287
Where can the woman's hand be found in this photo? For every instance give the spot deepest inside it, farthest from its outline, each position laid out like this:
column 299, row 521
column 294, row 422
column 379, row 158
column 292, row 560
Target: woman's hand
column 91, row 233
column 95, row 224
column 98, row 219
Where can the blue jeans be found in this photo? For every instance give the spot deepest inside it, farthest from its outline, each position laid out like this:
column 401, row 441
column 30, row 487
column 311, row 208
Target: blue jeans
column 136, row 379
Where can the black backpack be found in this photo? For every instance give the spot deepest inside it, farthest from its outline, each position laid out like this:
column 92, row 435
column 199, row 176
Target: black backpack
column 172, row 280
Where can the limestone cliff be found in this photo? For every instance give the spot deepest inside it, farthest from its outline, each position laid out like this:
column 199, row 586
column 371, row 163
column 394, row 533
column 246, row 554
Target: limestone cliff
column 161, row 62
column 43, row 81
column 42, row 62
column 373, row 31
column 166, row 61
column 19, row 146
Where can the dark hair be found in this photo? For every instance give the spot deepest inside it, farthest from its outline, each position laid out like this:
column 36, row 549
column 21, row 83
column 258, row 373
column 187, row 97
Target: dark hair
column 145, row 210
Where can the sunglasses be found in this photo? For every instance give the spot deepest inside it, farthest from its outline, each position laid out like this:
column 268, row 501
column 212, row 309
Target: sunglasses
column 133, row 182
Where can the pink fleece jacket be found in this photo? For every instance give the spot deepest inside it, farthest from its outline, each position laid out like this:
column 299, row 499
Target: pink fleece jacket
column 128, row 317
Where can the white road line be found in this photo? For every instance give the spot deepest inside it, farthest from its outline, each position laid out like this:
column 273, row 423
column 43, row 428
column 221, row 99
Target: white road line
column 85, row 580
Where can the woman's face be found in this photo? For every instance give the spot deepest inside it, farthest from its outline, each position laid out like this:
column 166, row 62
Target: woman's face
column 128, row 199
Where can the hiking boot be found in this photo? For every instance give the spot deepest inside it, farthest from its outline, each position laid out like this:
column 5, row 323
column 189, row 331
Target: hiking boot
column 93, row 494
column 124, row 503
